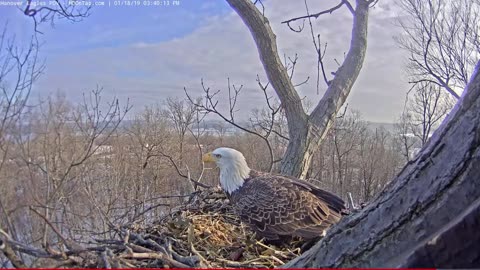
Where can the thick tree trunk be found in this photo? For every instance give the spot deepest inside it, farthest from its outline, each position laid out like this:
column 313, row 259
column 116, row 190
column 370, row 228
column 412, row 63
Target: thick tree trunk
column 428, row 215
column 305, row 131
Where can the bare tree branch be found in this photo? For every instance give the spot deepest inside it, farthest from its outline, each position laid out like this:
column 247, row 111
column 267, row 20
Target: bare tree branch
column 210, row 106
column 68, row 10
column 440, row 37
column 318, row 14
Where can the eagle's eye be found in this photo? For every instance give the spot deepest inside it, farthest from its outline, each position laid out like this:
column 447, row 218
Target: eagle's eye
column 218, row 155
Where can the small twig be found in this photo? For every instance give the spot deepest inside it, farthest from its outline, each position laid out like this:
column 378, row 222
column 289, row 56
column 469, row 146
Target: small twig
column 54, row 229
column 159, row 256
column 328, row 11
column 350, row 199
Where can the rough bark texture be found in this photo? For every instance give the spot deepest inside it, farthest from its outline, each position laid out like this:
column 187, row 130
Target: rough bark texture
column 455, row 246
column 422, row 212
column 305, row 131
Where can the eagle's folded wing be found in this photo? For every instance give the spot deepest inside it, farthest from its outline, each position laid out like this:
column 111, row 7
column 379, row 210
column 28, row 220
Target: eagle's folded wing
column 274, row 206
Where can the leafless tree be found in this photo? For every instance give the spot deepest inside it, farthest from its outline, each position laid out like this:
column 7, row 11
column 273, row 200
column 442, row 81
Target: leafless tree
column 423, row 113
column 355, row 158
column 345, row 141
column 442, row 39
column 149, row 131
column 305, row 131
column 427, row 109
column 182, row 116
column 19, row 69
column 404, row 139
column 378, row 162
column 55, row 142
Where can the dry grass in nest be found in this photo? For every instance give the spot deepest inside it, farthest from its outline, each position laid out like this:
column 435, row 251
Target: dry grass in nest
column 207, row 228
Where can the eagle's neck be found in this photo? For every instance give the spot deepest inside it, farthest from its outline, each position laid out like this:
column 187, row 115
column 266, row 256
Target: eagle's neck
column 233, row 176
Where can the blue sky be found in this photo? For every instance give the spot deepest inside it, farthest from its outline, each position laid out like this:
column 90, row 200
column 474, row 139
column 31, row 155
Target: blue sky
column 119, row 25
column 146, row 54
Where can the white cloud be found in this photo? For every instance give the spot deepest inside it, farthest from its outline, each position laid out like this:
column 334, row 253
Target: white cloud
column 223, row 48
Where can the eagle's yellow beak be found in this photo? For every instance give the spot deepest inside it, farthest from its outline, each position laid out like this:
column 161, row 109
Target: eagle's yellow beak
column 208, row 158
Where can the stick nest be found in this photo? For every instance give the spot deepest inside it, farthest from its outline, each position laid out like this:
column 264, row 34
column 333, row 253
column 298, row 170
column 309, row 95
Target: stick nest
column 203, row 232
column 206, row 233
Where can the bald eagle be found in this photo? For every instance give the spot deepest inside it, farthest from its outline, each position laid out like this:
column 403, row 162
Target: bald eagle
column 274, row 206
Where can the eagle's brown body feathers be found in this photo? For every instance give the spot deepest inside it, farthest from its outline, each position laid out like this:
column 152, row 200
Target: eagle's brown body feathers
column 276, row 206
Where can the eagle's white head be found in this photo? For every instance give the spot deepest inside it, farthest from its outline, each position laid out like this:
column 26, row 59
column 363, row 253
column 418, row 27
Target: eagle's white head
column 232, row 165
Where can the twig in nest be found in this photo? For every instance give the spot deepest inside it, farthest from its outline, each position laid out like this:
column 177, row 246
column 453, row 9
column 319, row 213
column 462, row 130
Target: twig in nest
column 159, row 256
column 273, row 258
column 105, row 261
column 239, row 264
column 191, row 237
column 189, row 260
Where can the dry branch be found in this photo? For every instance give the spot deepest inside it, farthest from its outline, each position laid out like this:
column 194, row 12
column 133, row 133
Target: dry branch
column 203, row 232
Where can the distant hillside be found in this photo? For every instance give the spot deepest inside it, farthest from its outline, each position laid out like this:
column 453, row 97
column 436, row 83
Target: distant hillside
column 229, row 129
column 387, row 126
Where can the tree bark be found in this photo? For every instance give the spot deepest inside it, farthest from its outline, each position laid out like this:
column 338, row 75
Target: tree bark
column 428, row 215
column 457, row 245
column 10, row 255
column 305, row 131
